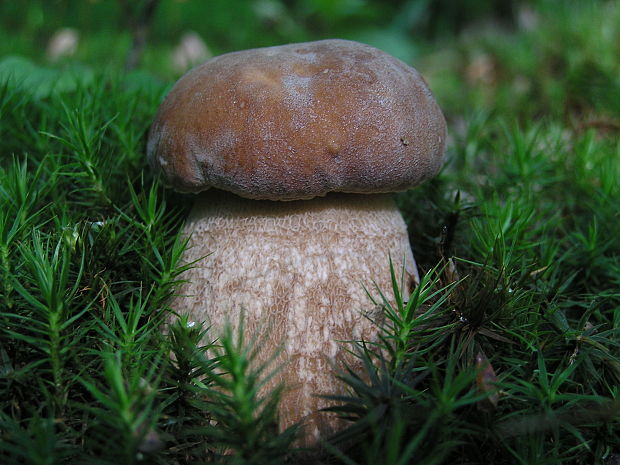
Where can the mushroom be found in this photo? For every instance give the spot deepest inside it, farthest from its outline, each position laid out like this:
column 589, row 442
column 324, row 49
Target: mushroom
column 62, row 44
column 303, row 144
column 191, row 51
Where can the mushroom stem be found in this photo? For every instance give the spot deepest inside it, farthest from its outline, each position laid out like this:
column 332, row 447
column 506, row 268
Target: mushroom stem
column 298, row 270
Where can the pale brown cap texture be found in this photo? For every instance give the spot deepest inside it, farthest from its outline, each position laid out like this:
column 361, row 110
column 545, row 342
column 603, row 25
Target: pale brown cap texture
column 298, row 121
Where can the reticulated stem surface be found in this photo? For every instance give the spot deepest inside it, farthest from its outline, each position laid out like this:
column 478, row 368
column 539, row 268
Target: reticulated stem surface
column 298, row 271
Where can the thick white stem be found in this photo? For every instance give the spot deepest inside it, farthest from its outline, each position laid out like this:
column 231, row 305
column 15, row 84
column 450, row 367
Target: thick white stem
column 298, row 271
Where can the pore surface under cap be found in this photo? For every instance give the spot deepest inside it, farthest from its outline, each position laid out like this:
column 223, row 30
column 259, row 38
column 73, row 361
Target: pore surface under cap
column 298, row 121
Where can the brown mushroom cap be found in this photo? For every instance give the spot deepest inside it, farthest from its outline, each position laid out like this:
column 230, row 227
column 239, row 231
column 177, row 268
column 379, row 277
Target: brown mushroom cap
column 298, row 121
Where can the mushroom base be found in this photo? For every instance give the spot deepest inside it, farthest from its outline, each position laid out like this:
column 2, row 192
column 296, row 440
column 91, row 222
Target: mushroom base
column 298, row 271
